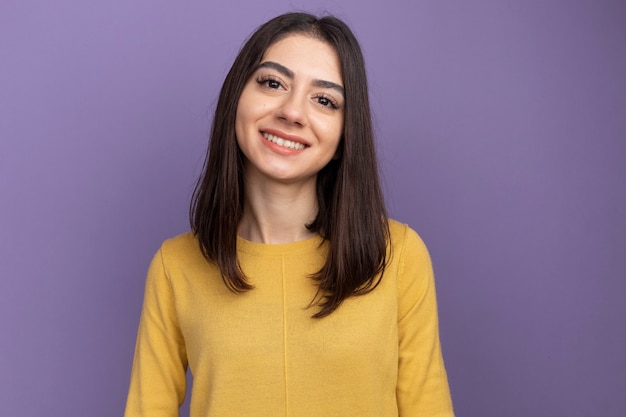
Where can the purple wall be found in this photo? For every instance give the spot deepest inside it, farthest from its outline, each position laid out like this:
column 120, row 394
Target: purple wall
column 502, row 132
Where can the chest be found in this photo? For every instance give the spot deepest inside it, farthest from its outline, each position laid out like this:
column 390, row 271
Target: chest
column 269, row 329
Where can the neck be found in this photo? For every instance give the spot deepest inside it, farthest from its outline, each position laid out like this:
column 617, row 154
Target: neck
column 278, row 213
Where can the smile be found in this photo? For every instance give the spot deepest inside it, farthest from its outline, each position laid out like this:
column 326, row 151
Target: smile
column 283, row 142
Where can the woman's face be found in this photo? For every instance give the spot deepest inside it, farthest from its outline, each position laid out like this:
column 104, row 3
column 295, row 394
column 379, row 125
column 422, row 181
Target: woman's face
column 290, row 114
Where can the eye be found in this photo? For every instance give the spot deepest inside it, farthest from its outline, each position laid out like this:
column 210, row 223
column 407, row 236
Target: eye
column 327, row 101
column 272, row 84
column 269, row 82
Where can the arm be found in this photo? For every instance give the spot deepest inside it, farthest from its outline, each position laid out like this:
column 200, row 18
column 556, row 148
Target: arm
column 158, row 384
column 422, row 388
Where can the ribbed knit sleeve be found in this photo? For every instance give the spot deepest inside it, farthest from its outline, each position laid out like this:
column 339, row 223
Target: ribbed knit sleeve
column 422, row 388
column 157, row 387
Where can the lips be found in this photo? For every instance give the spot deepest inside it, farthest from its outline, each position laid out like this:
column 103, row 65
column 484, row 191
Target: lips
column 283, row 142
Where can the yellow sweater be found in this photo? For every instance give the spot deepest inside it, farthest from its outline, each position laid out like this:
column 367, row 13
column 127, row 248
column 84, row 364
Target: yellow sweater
column 261, row 354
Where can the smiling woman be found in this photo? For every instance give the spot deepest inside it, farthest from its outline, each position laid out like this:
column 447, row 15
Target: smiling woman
column 293, row 295
column 290, row 118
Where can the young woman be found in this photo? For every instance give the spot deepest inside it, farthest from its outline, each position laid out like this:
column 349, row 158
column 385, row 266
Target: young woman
column 293, row 295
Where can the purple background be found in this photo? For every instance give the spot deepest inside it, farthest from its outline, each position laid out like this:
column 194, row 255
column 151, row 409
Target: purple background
column 502, row 128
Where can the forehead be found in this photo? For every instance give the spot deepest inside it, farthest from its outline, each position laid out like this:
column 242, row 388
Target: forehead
column 307, row 56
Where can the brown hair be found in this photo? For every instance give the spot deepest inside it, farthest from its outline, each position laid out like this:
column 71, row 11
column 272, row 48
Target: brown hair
column 352, row 218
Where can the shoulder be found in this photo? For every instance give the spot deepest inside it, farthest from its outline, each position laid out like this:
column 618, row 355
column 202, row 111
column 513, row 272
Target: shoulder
column 409, row 257
column 181, row 242
column 180, row 262
column 404, row 239
column 181, row 249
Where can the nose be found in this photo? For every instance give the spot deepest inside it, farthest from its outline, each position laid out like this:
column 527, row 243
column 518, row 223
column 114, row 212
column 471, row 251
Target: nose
column 293, row 109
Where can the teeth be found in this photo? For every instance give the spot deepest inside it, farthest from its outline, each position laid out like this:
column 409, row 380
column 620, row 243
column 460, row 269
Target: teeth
column 283, row 142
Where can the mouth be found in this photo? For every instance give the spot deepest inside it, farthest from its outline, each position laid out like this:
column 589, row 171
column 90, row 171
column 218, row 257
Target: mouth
column 283, row 142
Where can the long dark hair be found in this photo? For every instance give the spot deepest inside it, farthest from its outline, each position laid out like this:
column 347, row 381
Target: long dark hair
column 352, row 217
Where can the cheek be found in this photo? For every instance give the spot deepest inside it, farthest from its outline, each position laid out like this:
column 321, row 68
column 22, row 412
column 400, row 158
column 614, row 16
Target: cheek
column 249, row 111
column 337, row 132
column 330, row 128
column 241, row 119
column 245, row 105
column 238, row 127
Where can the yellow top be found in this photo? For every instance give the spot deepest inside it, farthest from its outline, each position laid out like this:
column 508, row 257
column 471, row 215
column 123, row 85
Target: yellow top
column 261, row 354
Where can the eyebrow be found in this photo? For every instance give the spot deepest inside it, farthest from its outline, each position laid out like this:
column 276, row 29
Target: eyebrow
column 289, row 74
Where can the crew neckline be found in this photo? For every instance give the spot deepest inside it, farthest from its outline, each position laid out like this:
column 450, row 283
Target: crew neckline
column 301, row 246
